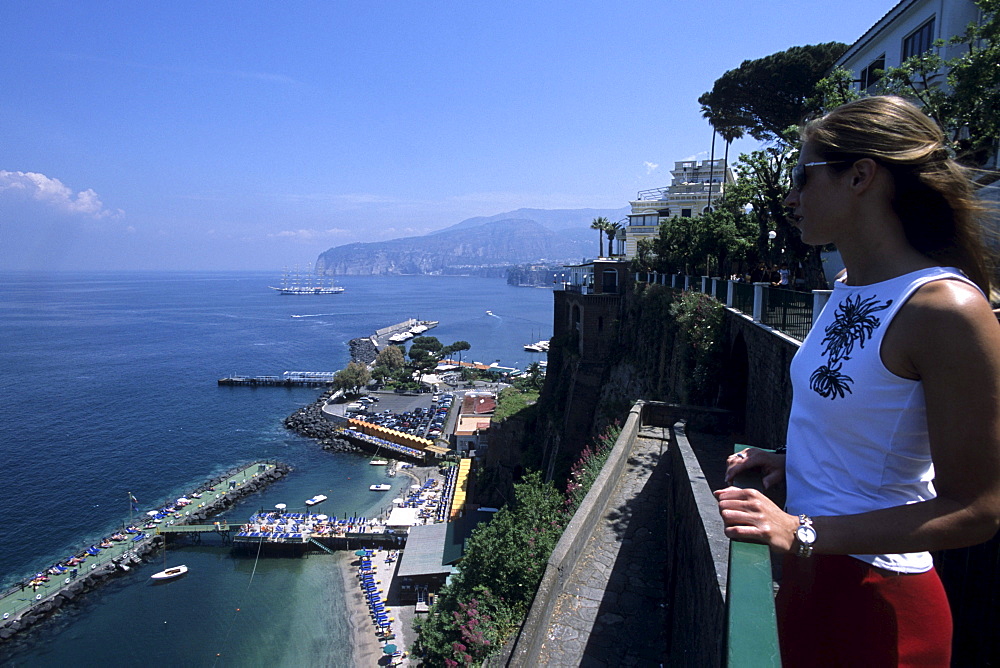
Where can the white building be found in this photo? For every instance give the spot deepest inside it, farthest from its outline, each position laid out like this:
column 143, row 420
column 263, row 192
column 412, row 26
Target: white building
column 908, row 29
column 692, row 192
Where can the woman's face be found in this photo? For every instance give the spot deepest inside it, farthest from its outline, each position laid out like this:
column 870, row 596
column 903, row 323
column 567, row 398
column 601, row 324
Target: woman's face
column 818, row 206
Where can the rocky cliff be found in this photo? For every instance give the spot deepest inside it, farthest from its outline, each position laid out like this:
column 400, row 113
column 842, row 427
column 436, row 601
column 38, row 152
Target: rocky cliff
column 478, row 246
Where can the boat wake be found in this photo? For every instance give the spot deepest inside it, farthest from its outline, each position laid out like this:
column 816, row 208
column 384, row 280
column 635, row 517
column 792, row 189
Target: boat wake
column 313, row 315
column 492, row 314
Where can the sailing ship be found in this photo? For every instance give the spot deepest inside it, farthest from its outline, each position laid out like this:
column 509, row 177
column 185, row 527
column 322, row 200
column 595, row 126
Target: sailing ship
column 312, row 285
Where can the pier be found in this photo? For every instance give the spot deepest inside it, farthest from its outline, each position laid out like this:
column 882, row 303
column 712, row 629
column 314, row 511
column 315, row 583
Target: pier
column 286, row 379
column 35, row 598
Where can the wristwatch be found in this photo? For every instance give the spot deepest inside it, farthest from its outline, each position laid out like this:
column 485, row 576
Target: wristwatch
column 805, row 535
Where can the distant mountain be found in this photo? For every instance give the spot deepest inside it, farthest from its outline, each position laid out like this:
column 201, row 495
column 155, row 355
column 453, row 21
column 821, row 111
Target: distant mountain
column 479, row 246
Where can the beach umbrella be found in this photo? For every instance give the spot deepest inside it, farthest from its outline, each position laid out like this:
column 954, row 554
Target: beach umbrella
column 322, row 518
column 389, row 649
column 398, row 501
column 414, row 486
column 280, row 506
column 360, row 553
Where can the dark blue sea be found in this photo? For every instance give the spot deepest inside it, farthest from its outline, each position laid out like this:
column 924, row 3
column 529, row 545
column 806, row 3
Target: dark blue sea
column 109, row 387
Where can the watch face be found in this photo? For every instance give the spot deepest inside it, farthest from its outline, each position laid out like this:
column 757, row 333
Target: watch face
column 806, row 535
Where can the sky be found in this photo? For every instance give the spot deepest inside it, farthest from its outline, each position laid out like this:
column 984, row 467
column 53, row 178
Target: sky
column 256, row 135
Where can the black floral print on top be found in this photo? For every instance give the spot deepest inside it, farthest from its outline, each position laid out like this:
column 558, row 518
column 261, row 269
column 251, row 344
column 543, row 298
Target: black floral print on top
column 853, row 323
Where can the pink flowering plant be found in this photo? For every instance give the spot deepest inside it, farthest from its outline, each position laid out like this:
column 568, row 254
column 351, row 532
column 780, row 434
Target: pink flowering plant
column 585, row 470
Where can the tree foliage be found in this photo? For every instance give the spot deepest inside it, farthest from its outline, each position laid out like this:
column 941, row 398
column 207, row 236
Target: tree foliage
column 601, row 224
column 502, row 567
column 764, row 97
column 968, row 108
column 390, row 357
column 352, row 377
column 428, row 343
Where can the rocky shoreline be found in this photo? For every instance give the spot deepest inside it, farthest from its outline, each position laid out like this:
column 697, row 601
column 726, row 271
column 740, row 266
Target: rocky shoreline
column 310, row 422
column 89, row 580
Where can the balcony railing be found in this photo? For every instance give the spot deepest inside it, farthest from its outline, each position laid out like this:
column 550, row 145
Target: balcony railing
column 788, row 311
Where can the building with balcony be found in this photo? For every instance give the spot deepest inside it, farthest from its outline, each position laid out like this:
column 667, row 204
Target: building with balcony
column 694, row 187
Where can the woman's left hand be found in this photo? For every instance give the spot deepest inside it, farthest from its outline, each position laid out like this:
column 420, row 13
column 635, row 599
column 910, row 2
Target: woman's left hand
column 751, row 517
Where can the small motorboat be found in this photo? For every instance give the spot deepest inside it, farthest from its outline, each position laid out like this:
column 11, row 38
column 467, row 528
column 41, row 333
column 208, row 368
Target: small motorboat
column 379, row 462
column 319, row 498
column 170, row 573
column 380, row 488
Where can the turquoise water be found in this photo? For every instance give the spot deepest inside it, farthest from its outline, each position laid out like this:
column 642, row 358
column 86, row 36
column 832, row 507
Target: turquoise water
column 109, row 387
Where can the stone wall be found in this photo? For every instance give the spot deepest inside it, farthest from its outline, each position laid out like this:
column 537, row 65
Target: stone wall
column 696, row 564
column 756, row 384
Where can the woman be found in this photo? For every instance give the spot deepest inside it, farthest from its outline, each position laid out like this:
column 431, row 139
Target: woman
column 894, row 433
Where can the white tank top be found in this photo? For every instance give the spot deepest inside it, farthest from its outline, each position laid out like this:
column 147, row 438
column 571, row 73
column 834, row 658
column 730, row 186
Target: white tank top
column 857, row 433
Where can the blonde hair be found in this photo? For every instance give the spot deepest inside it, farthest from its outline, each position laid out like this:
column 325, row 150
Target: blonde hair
column 934, row 197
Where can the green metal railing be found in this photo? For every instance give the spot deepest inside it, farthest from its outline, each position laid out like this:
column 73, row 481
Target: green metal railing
column 751, row 624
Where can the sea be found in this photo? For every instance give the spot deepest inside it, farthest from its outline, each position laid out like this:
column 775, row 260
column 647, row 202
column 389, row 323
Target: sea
column 109, row 387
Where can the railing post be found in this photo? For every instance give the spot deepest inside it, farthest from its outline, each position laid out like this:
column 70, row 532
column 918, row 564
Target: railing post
column 730, row 292
column 704, row 284
column 758, row 300
column 820, row 298
column 687, row 282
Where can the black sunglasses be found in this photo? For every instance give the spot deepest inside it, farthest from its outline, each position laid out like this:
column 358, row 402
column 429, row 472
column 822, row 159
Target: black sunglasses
column 799, row 172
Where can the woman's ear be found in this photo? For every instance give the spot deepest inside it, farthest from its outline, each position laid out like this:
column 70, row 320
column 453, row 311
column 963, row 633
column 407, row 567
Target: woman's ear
column 863, row 174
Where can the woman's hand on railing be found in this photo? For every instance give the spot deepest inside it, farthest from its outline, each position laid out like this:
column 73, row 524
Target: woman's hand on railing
column 770, row 465
column 751, row 517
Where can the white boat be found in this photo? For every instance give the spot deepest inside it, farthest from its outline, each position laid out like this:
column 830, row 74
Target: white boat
column 380, row 488
column 401, row 337
column 379, row 462
column 537, row 347
column 319, row 498
column 170, row 573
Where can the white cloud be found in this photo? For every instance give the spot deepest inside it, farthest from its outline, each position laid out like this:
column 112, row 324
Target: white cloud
column 54, row 194
column 650, row 167
column 310, row 235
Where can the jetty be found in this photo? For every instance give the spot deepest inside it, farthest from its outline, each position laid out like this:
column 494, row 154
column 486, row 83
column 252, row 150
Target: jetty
column 286, row 379
column 401, row 332
column 435, row 501
column 38, row 596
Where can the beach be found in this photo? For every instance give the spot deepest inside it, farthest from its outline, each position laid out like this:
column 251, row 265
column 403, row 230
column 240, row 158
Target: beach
column 366, row 646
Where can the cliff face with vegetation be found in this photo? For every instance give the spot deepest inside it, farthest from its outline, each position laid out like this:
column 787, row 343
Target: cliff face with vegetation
column 668, row 348
column 477, row 246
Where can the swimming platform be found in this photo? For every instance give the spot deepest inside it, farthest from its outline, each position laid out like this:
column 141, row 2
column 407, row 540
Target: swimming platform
column 35, row 597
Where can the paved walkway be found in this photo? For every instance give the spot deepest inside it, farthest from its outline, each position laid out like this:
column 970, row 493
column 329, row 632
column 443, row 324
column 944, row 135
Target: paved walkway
column 611, row 612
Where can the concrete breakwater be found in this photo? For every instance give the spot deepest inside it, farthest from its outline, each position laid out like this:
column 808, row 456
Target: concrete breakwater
column 25, row 605
column 310, row 422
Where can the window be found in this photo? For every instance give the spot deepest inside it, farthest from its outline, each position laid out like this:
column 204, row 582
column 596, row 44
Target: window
column 871, row 74
column 685, row 213
column 919, row 41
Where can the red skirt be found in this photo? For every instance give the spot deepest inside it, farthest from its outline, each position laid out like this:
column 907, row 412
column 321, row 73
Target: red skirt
column 836, row 610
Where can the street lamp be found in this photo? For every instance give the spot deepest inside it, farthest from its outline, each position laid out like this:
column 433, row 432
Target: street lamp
column 771, row 236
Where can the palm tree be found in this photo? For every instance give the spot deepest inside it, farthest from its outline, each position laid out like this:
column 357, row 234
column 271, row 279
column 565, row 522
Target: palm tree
column 611, row 229
column 601, row 225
